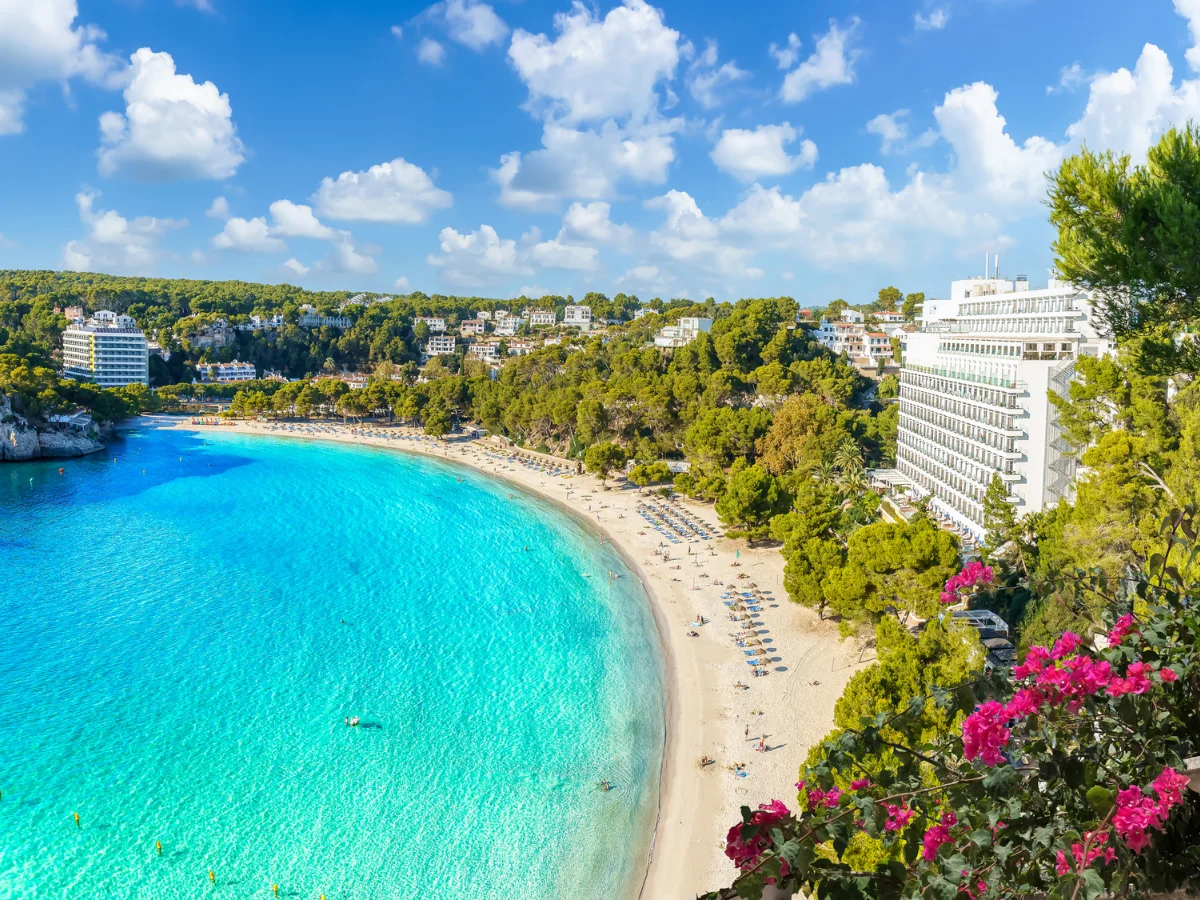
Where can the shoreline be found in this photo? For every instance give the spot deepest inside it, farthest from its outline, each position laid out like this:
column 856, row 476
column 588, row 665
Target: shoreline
column 703, row 714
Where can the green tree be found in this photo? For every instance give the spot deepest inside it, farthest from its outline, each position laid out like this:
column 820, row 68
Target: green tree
column 911, row 307
column 999, row 516
column 601, row 459
column 889, row 300
column 753, row 497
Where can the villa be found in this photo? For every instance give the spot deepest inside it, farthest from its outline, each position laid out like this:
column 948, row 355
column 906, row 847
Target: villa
column 440, row 345
column 578, row 317
column 436, row 324
column 472, row 326
column 226, row 372
column 684, row 333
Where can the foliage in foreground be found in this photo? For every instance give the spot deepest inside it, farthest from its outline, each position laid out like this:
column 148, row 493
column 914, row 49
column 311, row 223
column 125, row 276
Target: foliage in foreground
column 1067, row 779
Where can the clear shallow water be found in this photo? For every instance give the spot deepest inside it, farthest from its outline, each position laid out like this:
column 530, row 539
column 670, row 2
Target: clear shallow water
column 173, row 666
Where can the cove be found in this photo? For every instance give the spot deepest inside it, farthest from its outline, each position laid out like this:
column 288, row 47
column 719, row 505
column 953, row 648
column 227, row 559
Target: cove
column 186, row 629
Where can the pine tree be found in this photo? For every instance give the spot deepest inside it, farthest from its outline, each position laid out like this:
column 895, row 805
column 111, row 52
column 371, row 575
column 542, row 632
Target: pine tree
column 999, row 517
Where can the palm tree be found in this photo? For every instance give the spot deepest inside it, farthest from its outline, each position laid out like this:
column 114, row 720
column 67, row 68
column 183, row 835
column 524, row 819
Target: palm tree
column 824, row 472
column 853, row 482
column 848, row 457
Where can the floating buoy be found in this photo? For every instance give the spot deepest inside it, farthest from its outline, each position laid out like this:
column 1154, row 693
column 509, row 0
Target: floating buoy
column 77, row 825
column 212, row 877
column 158, row 847
column 61, row 470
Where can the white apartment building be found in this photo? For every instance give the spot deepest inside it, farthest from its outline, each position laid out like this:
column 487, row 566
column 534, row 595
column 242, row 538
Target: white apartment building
column 489, row 352
column 973, row 394
column 226, row 372
column 440, row 345
column 310, row 318
column 262, row 323
column 508, row 326
column 683, row 333
column 520, row 348
column 855, row 340
column 639, row 313
column 539, row 318
column 436, row 323
column 472, row 326
column 578, row 317
column 107, row 349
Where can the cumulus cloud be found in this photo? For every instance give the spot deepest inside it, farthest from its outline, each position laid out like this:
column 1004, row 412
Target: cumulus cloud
column 785, row 57
column 402, row 284
column 39, row 42
column 172, row 128
column 748, row 155
column 478, row 258
column 707, row 81
column 219, row 209
column 296, row 267
column 892, row 129
column 1190, row 10
column 6, row 244
column 297, row 220
column 395, row 191
column 472, row 24
column 113, row 243
column 248, row 236
column 397, row 32
column 689, row 237
column 831, row 64
column 347, row 259
column 1070, row 78
column 430, row 52
column 935, row 21
column 592, row 223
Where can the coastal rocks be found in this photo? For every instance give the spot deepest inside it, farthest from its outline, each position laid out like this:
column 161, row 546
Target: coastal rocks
column 21, row 441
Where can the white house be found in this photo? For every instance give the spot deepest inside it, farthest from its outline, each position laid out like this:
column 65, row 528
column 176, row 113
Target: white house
column 851, row 315
column 520, row 348
column 973, row 394
column 440, row 345
column 683, row 333
column 508, row 326
column 436, row 323
column 310, row 318
column 486, row 351
column 578, row 317
column 108, row 349
column 540, row 318
column 855, row 340
column 261, row 323
column 226, row 372
column 472, row 326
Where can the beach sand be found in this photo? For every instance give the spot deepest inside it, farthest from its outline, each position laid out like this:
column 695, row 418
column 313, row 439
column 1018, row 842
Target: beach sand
column 706, row 715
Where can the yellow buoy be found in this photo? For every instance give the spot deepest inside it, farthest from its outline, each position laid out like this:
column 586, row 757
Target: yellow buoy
column 77, row 825
column 212, row 877
column 158, row 847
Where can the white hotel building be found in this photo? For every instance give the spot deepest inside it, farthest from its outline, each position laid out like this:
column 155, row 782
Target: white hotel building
column 108, row 349
column 973, row 392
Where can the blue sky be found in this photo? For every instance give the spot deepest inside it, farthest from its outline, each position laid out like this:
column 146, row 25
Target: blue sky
column 814, row 149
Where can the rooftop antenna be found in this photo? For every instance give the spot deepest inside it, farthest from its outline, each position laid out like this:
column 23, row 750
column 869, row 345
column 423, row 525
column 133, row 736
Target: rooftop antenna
column 997, row 265
column 987, row 264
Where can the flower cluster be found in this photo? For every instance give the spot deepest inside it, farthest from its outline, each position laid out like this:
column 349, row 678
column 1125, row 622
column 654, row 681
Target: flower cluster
column 898, row 817
column 1136, row 812
column 1123, row 626
column 745, row 853
column 1097, row 848
column 829, row 799
column 937, row 835
column 973, row 573
column 985, row 734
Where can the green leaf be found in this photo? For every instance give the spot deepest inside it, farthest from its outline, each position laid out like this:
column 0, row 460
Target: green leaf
column 1001, row 779
column 941, row 889
column 1093, row 884
column 1100, row 799
column 981, row 837
column 953, row 866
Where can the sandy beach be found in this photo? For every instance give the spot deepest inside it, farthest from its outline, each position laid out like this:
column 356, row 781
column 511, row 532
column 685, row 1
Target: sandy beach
column 707, row 714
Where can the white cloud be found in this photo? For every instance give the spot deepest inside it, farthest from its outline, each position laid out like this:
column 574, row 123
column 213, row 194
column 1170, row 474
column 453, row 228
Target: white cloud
column 347, row 259
column 987, row 156
column 204, row 6
column 586, row 164
column 248, row 236
column 171, row 128
column 1070, row 78
column 430, row 52
column 530, row 292
column 687, row 236
column 113, row 243
column 785, row 57
column 295, row 266
column 786, row 276
column 473, row 24
column 478, row 258
column 596, row 68
column 592, row 222
column 401, row 284
column 831, row 63
column 706, row 79
column 395, row 191
column 935, row 21
column 892, row 129
column 1190, row 10
column 296, row 220
column 39, row 42
column 6, row 244
column 1127, row 111
column 397, row 32
column 555, row 254
column 748, row 155
column 219, row 209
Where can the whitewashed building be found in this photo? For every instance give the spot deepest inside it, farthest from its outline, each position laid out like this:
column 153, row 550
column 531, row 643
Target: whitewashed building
column 520, row 348
column 578, row 317
column 310, row 318
column 540, row 318
column 108, row 349
column 226, row 372
column 261, row 323
column 973, row 392
column 508, row 326
column 486, row 351
column 436, row 323
column 440, row 345
column 856, row 340
column 684, row 333
column 472, row 326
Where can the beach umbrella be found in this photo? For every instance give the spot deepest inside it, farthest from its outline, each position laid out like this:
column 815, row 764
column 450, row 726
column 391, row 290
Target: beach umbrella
column 761, row 652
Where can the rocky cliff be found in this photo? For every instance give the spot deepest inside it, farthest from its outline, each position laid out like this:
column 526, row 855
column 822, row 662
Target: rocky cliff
column 20, row 441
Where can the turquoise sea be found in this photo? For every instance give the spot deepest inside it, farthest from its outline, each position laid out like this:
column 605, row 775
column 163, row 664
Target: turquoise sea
column 184, row 631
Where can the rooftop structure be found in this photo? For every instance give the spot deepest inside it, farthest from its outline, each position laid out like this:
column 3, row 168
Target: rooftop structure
column 578, row 317
column 973, row 394
column 108, row 349
column 684, row 333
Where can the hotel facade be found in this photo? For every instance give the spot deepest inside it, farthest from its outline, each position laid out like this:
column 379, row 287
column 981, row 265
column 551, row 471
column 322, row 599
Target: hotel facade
column 973, row 395
column 108, row 349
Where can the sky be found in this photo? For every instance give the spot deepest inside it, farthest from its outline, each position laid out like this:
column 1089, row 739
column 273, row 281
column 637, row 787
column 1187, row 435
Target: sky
column 689, row 148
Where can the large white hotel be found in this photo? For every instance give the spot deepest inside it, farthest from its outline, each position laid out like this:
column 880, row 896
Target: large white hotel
column 973, row 394
column 108, row 349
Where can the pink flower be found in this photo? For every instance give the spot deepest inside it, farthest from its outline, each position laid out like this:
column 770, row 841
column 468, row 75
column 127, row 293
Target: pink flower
column 1167, row 675
column 816, row 797
column 831, row 799
column 1035, row 658
column 949, row 819
column 860, row 784
column 799, row 786
column 1136, row 813
column 933, row 840
column 1024, row 703
column 1068, row 643
column 1169, row 787
column 746, row 853
column 1136, row 681
column 1123, row 626
column 984, row 733
column 1063, row 866
column 898, row 817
